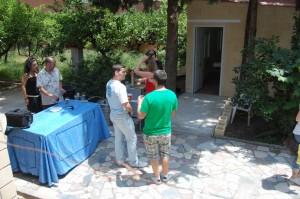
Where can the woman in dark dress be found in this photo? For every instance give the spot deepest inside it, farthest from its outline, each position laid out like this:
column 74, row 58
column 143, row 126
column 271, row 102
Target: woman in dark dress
column 31, row 93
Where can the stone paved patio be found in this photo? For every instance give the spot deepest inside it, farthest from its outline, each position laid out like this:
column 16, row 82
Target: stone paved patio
column 203, row 167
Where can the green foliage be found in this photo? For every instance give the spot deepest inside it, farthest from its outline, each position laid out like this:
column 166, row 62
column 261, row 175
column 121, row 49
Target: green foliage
column 11, row 71
column 114, row 5
column 106, row 31
column 182, row 37
column 73, row 24
column 33, row 40
column 295, row 43
column 143, row 28
column 93, row 74
column 130, row 59
column 271, row 84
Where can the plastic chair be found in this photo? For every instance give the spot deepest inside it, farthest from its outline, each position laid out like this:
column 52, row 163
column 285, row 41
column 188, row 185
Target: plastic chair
column 234, row 108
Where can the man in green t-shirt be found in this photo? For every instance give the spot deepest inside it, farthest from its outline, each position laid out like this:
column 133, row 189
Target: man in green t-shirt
column 158, row 107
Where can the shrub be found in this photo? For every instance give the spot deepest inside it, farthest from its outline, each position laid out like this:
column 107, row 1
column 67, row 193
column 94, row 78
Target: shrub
column 273, row 69
column 94, row 72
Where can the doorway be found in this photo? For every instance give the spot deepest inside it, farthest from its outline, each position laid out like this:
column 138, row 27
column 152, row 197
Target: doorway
column 207, row 60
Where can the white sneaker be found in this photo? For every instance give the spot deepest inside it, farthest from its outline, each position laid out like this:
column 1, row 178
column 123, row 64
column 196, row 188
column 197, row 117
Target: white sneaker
column 155, row 179
column 167, row 177
column 140, row 164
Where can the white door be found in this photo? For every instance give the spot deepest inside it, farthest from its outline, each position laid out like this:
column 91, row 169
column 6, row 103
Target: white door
column 199, row 58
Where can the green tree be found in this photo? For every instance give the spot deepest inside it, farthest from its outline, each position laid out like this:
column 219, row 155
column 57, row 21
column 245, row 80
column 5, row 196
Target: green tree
column 173, row 9
column 19, row 24
column 32, row 42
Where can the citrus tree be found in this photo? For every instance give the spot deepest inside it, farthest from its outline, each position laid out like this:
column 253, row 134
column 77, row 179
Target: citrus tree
column 20, row 25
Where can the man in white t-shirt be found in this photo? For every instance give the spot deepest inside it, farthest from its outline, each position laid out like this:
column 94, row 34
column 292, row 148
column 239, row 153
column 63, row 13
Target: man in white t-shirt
column 120, row 111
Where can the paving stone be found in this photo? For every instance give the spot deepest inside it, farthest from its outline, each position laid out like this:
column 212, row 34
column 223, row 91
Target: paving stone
column 260, row 154
column 213, row 169
column 108, row 159
column 146, row 196
column 170, row 193
column 181, row 149
column 179, row 140
column 188, row 155
column 236, row 143
column 191, row 137
column 86, row 180
column 263, row 148
column 207, row 146
column 285, row 155
column 20, row 182
column 174, row 165
column 230, row 177
column 282, row 187
column 177, row 155
column 174, row 147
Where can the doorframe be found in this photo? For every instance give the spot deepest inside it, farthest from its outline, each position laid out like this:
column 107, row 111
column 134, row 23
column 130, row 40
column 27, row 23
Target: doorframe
column 222, row 56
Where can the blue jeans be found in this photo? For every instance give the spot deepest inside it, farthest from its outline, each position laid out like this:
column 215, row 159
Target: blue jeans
column 124, row 127
column 296, row 166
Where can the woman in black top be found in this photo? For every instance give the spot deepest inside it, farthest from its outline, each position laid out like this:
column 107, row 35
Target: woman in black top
column 31, row 93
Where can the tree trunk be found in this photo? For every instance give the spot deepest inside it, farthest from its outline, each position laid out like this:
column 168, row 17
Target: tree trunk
column 5, row 59
column 172, row 44
column 5, row 51
column 250, row 34
column 76, row 56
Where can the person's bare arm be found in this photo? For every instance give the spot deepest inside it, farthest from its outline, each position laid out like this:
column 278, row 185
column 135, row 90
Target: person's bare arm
column 24, row 81
column 298, row 117
column 140, row 80
column 144, row 74
column 62, row 91
column 173, row 113
column 128, row 107
column 43, row 90
column 141, row 115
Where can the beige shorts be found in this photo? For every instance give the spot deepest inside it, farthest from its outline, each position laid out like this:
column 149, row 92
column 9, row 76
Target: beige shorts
column 157, row 146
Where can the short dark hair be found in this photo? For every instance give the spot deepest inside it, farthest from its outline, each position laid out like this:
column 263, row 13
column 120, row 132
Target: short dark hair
column 160, row 77
column 117, row 67
column 28, row 64
column 150, row 53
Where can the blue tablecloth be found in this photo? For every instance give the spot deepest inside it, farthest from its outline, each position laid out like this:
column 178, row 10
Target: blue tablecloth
column 57, row 141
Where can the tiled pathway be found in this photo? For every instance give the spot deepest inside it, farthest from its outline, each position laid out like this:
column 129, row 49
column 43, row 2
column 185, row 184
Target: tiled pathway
column 202, row 167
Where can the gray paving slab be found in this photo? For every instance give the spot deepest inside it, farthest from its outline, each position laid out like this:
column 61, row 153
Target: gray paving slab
column 203, row 166
column 198, row 113
column 11, row 99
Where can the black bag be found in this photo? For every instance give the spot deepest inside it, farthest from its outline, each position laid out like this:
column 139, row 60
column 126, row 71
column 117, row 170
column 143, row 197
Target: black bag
column 19, row 118
column 291, row 144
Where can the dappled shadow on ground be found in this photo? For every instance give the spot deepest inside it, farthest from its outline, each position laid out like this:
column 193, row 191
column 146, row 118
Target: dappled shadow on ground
column 4, row 85
column 258, row 130
column 279, row 183
column 200, row 164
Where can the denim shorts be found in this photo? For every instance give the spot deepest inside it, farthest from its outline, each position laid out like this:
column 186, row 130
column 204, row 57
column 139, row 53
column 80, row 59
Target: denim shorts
column 157, row 146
